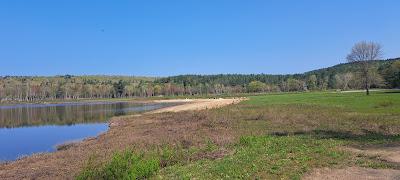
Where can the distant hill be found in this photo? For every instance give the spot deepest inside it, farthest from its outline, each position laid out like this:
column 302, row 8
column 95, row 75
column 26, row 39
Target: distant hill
column 243, row 79
column 350, row 67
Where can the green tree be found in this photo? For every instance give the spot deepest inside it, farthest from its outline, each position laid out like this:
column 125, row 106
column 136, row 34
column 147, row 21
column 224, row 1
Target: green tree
column 119, row 88
column 312, row 82
column 256, row 86
column 294, row 85
column 392, row 75
column 157, row 90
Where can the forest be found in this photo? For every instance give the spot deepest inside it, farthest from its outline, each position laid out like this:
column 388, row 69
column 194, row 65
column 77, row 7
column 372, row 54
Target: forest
column 384, row 74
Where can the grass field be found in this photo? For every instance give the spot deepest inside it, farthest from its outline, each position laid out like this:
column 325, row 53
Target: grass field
column 379, row 102
column 276, row 136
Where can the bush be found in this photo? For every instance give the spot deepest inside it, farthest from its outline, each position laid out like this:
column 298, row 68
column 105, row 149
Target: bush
column 126, row 165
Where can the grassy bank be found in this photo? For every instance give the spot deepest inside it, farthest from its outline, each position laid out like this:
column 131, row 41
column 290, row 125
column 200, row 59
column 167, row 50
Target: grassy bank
column 271, row 136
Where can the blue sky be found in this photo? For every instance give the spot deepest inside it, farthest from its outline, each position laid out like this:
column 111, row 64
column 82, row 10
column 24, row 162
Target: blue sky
column 161, row 38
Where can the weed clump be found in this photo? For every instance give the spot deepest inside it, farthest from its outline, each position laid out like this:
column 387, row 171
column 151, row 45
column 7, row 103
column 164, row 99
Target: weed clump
column 142, row 165
column 125, row 165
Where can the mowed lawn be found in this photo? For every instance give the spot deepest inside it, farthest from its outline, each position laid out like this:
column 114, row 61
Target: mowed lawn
column 275, row 136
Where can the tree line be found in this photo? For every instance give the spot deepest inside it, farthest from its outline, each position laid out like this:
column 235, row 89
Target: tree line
column 381, row 74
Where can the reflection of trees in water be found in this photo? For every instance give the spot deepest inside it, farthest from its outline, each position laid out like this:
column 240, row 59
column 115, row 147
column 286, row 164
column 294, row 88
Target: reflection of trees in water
column 61, row 115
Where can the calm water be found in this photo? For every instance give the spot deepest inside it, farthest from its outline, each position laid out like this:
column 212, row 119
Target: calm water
column 28, row 129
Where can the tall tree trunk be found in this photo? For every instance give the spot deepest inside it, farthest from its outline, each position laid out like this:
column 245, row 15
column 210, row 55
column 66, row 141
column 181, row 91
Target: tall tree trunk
column 367, row 83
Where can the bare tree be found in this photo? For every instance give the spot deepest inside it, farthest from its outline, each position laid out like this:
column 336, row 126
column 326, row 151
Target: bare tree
column 363, row 53
column 346, row 79
column 342, row 80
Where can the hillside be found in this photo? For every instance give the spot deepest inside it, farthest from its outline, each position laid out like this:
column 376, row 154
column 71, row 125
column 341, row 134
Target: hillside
column 350, row 67
column 324, row 75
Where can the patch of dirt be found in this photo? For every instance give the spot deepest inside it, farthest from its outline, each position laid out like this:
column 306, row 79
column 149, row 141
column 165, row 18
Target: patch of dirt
column 390, row 153
column 141, row 132
column 212, row 155
column 196, row 104
column 353, row 173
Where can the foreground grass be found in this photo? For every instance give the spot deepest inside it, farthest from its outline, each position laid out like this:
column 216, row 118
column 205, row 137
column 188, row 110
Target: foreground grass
column 278, row 136
column 265, row 157
column 126, row 165
column 254, row 157
column 134, row 164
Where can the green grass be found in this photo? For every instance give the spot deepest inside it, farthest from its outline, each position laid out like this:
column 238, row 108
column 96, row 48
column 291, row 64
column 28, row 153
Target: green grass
column 354, row 117
column 377, row 102
column 134, row 164
column 264, row 157
column 126, row 165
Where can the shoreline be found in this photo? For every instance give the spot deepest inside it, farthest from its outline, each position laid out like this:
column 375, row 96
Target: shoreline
column 108, row 123
column 123, row 132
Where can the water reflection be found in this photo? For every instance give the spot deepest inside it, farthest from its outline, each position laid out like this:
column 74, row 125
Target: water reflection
column 66, row 114
column 28, row 129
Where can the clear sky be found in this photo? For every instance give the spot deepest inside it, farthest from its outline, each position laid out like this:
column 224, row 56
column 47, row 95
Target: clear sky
column 169, row 37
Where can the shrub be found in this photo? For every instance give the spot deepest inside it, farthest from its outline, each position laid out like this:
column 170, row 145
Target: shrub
column 126, row 165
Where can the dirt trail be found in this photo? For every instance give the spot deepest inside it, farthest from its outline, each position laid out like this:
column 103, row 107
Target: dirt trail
column 389, row 153
column 125, row 131
column 196, row 104
column 353, row 173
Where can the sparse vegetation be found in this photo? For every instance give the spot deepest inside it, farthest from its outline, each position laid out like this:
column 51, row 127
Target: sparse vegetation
column 264, row 157
column 126, row 165
column 133, row 164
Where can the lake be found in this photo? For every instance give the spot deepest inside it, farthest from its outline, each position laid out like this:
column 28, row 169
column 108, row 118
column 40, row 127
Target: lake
column 33, row 128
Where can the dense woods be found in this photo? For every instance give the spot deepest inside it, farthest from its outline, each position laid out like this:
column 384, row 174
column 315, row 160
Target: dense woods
column 383, row 74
